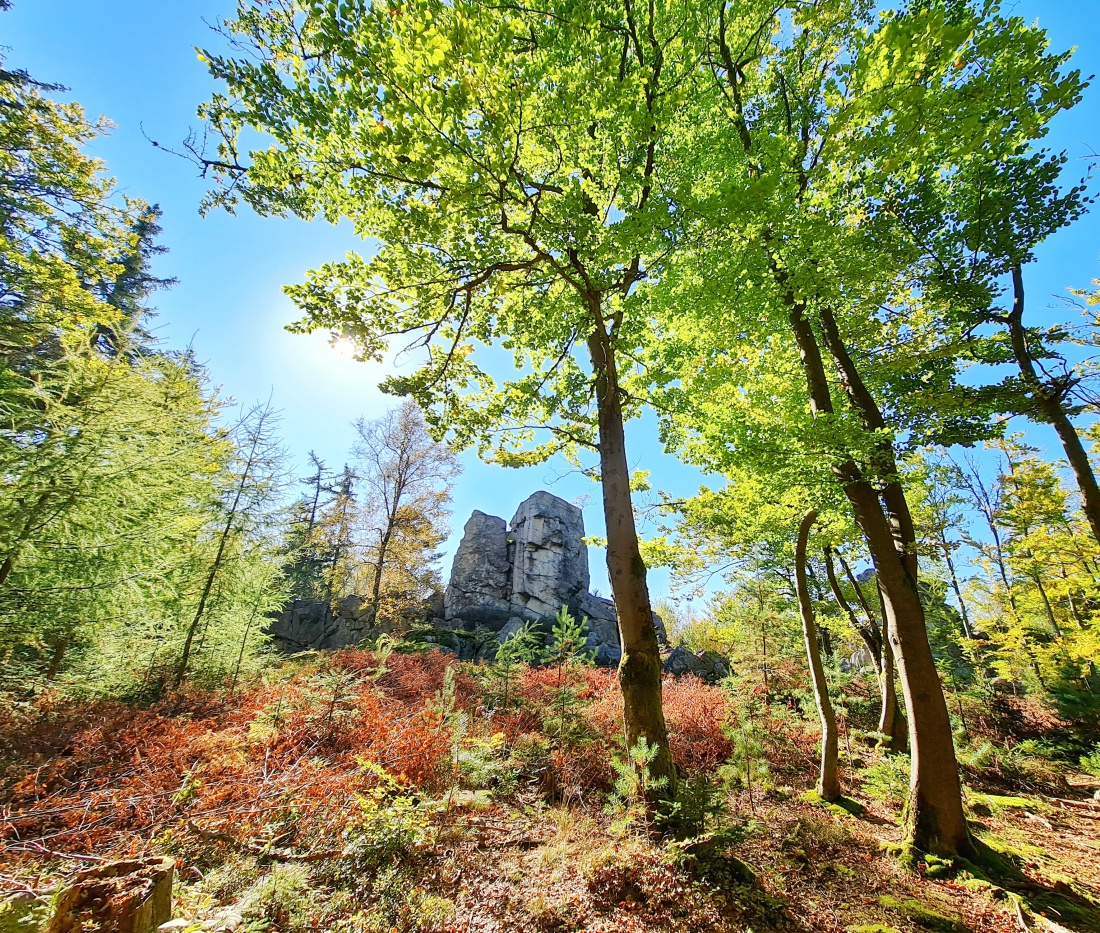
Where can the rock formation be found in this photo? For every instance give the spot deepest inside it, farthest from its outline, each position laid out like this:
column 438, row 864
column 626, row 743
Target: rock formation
column 506, row 575
column 480, row 590
column 527, row 570
column 503, row 576
column 312, row 623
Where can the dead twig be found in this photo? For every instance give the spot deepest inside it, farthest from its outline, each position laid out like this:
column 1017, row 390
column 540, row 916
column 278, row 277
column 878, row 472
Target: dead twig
column 264, row 851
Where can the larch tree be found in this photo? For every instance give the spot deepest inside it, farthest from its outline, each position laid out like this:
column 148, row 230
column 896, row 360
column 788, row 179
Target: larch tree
column 243, row 502
column 504, row 159
column 405, row 487
column 106, row 444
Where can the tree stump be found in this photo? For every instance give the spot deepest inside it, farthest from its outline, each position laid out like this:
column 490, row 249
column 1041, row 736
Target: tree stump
column 119, row 897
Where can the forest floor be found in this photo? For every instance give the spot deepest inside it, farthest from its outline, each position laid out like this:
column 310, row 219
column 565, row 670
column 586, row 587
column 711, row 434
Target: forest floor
column 374, row 793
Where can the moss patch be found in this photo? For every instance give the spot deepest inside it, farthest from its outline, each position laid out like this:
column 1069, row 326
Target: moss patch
column 922, row 916
column 843, row 806
column 994, row 803
column 23, row 915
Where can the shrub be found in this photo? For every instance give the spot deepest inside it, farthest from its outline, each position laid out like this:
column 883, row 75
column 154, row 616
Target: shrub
column 1091, row 762
column 887, row 779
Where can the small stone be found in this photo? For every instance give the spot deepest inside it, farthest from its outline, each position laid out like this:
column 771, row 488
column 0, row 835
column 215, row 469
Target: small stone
column 175, row 926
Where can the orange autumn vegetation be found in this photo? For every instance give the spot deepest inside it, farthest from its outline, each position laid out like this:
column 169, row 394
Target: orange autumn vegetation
column 108, row 778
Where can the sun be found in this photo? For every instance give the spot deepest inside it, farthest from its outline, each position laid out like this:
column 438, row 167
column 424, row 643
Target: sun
column 343, row 347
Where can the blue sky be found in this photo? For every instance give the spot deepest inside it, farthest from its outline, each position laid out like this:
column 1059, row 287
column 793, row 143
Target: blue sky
column 134, row 62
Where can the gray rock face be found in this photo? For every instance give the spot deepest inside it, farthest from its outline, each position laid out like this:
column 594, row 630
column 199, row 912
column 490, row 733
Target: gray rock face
column 309, row 623
column 480, row 588
column 549, row 560
column 860, row 659
column 707, row 665
column 503, row 577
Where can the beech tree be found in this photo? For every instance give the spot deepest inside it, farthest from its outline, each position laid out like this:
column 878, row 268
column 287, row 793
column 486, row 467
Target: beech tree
column 504, row 159
column 828, row 784
column 978, row 228
column 822, row 118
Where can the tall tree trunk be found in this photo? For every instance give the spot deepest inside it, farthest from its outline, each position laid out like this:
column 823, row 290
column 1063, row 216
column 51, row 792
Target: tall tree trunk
column 865, row 632
column 967, row 630
column 935, row 820
column 640, row 667
column 891, row 722
column 829, row 781
column 1050, row 402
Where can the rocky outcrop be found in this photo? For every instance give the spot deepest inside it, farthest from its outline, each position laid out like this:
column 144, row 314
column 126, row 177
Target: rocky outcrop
column 504, row 576
column 526, row 570
column 310, row 623
column 706, row 665
column 549, row 557
column 480, row 591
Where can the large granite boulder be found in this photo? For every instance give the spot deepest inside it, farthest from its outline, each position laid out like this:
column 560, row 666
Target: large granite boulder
column 549, row 558
column 505, row 576
column 480, row 589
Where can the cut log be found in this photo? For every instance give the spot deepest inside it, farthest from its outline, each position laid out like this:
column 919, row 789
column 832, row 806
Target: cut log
column 132, row 896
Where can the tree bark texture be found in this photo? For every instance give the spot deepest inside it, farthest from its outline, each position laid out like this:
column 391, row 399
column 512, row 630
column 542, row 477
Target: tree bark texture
column 891, row 722
column 640, row 667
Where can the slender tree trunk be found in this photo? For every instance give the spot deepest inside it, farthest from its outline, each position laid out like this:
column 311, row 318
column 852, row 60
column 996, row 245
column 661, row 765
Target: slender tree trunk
column 640, row 667
column 376, row 586
column 891, row 722
column 240, row 654
column 867, row 633
column 984, row 501
column 1073, row 611
column 1049, row 400
column 337, row 551
column 58, row 657
column 215, row 569
column 967, row 630
column 1047, row 607
column 26, row 530
column 935, row 820
column 829, row 781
